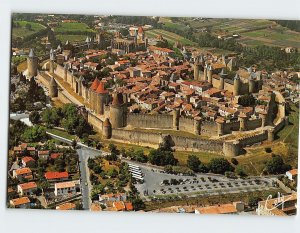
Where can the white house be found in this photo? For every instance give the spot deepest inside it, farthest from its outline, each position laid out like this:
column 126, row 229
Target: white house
column 65, row 188
column 22, row 202
column 112, row 197
column 27, row 188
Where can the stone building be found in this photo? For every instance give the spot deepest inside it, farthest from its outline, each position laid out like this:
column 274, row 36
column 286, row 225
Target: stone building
column 32, row 64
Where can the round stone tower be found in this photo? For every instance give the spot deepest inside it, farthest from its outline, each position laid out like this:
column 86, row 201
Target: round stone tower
column 251, row 85
column 271, row 134
column 107, row 129
column 209, row 74
column 205, row 73
column 53, row 90
column 51, row 61
column 222, row 78
column 243, row 121
column 66, row 72
column 176, row 119
column 231, row 148
column 237, row 85
column 117, row 111
column 32, row 64
column 196, row 68
column 93, row 95
column 197, row 126
column 220, row 126
column 102, row 96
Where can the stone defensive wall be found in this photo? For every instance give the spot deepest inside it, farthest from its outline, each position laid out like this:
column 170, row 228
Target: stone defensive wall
column 209, row 128
column 95, row 122
column 231, row 126
column 163, row 121
column 186, row 124
column 63, row 98
column 178, row 142
column 280, row 125
column 253, row 124
column 60, row 71
column 196, row 144
column 259, row 137
column 136, row 137
column 44, row 79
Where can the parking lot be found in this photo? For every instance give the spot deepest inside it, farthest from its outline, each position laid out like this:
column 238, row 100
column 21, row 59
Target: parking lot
column 157, row 183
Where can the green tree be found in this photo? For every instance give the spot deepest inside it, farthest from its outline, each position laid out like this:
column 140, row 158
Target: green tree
column 34, row 117
column 247, row 100
column 276, row 165
column 193, row 163
column 34, row 134
column 240, row 171
column 161, row 157
column 253, row 201
column 220, row 166
column 28, row 26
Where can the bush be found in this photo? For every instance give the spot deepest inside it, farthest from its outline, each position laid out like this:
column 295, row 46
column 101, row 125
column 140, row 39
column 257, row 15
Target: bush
column 234, row 161
column 161, row 157
column 276, row 165
column 220, row 166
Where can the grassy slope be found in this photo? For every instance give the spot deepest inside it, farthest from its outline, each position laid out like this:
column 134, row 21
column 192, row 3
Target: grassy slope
column 23, row 32
column 286, row 145
column 72, row 27
column 253, row 32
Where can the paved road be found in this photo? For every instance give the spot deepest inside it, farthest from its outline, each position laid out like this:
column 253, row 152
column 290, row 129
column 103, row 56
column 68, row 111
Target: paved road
column 86, row 187
column 84, row 153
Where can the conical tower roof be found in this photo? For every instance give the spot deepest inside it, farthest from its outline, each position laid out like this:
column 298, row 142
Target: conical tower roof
column 31, row 53
column 223, row 73
column 52, row 55
column 101, row 89
column 95, row 84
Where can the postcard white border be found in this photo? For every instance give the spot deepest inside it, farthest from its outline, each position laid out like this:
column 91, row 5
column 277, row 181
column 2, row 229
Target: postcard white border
column 84, row 221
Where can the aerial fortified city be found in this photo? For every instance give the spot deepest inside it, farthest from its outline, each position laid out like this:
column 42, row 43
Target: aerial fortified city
column 125, row 113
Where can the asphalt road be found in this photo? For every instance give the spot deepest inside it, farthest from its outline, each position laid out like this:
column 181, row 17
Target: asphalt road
column 86, row 187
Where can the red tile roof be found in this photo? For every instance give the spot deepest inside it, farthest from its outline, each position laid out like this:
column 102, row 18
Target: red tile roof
column 27, row 159
column 56, row 175
column 23, row 171
column 29, row 185
column 20, row 201
column 55, row 155
column 128, row 206
column 95, row 84
column 101, row 89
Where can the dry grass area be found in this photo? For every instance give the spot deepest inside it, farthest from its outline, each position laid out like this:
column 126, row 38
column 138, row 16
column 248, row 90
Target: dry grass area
column 22, row 66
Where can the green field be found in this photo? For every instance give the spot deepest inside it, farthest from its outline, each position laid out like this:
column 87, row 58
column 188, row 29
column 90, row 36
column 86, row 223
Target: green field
column 72, row 28
column 277, row 36
column 171, row 37
column 61, row 133
column 253, row 31
column 22, row 31
column 70, row 38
